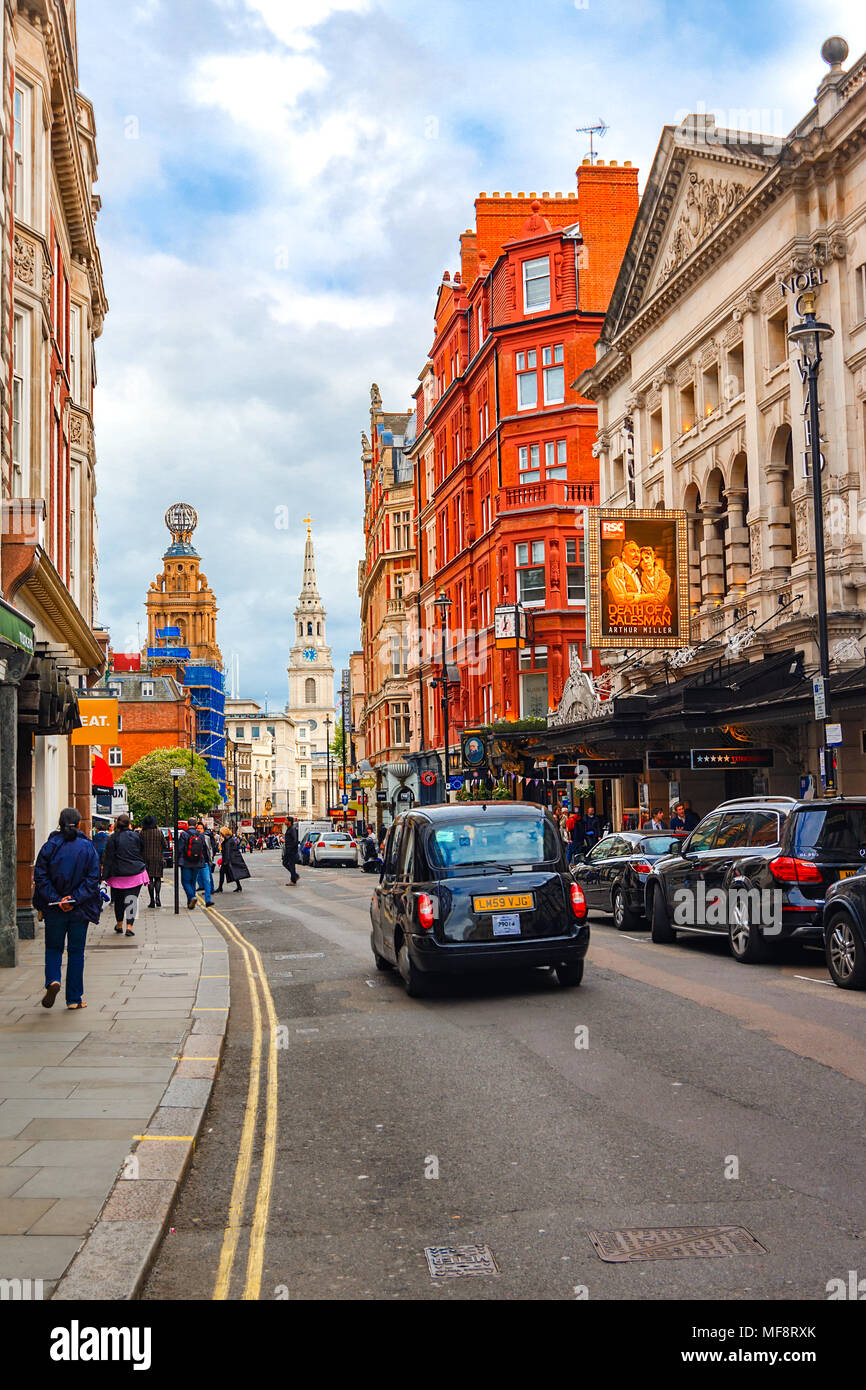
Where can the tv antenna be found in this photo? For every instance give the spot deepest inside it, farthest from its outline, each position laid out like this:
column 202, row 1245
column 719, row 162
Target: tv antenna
column 600, row 129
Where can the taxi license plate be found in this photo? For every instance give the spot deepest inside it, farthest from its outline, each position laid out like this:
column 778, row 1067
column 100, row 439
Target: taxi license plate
column 846, row 873
column 504, row 902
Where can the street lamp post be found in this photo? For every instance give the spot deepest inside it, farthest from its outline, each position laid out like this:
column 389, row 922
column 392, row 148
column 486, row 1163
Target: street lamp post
column 343, row 693
column 807, row 335
column 443, row 603
column 328, row 766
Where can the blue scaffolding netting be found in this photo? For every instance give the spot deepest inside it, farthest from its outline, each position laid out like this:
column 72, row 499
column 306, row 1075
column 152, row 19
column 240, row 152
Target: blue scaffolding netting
column 206, row 687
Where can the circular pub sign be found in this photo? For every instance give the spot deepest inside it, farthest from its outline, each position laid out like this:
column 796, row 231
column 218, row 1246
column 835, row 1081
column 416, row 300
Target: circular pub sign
column 428, row 779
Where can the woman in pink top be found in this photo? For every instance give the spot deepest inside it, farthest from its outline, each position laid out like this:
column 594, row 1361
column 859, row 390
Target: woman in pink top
column 125, row 873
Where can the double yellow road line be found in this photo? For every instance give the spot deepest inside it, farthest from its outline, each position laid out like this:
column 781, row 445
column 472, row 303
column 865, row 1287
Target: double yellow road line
column 257, row 981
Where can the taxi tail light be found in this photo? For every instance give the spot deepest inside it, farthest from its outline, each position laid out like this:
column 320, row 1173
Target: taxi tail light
column 788, row 870
column 425, row 911
column 578, row 902
column 641, row 866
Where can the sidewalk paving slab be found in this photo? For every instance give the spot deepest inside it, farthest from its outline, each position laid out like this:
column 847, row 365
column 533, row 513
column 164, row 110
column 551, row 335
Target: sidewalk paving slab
column 84, row 1199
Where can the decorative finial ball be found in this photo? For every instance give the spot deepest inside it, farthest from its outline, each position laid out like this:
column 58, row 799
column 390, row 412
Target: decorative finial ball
column 181, row 519
column 536, row 206
column 834, row 51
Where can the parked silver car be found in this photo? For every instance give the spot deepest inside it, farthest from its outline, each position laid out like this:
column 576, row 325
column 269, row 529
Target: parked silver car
column 334, row 847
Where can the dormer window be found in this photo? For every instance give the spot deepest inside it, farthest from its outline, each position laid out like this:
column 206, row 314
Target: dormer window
column 536, row 285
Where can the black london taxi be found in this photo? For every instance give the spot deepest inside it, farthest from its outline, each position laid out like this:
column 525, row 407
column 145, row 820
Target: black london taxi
column 475, row 886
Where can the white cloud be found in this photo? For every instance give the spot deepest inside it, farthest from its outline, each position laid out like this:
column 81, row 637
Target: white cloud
column 291, row 20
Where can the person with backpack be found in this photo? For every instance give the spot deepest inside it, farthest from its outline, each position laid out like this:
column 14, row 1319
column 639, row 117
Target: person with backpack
column 204, row 877
column 192, row 855
column 66, row 892
column 125, row 873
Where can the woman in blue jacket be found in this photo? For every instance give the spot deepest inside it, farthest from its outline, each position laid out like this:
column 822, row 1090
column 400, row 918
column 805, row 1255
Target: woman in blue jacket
column 66, row 892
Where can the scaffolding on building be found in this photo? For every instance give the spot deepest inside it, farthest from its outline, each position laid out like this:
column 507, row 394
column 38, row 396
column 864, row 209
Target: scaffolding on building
column 206, row 686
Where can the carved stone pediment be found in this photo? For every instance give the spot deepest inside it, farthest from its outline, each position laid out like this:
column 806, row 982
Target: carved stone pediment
column 706, row 203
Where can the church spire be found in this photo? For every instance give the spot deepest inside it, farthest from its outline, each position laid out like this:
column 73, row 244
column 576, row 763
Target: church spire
column 309, row 587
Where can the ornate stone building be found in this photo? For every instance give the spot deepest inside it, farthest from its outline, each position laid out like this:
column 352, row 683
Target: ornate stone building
column 52, row 306
column 701, row 407
column 311, row 694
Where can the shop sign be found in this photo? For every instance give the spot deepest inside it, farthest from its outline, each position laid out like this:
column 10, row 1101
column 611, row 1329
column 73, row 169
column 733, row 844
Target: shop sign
column 659, row 759
column 731, row 757
column 98, row 722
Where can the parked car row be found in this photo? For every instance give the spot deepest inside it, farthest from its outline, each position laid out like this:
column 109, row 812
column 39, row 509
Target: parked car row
column 758, row 870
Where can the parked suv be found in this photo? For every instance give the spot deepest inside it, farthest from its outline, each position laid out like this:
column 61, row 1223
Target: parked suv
column 687, row 890
column 781, row 886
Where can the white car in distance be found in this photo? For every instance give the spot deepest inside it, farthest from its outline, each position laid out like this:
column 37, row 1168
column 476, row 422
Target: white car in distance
column 334, row 847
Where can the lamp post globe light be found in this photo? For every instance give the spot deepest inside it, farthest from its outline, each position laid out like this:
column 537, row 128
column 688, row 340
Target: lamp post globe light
column 807, row 336
column 443, row 603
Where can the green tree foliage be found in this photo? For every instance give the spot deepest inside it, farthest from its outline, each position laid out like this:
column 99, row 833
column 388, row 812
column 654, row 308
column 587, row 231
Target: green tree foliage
column 149, row 786
column 337, row 740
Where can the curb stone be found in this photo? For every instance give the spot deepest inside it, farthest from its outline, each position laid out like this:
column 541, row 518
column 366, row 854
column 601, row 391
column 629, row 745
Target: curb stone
column 116, row 1256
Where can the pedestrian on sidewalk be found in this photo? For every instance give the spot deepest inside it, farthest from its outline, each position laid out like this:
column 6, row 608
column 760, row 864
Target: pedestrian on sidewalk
column 225, row 831
column 125, row 873
column 290, row 850
column 66, row 892
column 204, row 877
column 192, row 854
column 153, row 848
column 234, row 862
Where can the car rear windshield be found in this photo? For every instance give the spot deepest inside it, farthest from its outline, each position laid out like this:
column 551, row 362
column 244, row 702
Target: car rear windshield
column 657, row 844
column 832, row 831
column 335, row 839
column 495, row 840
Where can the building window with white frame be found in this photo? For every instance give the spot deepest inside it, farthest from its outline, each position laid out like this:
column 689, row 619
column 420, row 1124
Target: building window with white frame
column 115, row 757
column 575, row 572
column 146, row 689
column 21, row 405
column 528, row 459
column 75, row 352
column 527, row 380
column 530, row 572
column 23, row 152
column 556, row 459
column 552, row 361
column 534, row 702
column 536, row 285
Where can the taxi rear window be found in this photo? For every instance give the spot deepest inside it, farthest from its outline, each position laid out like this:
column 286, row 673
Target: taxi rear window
column 495, row 840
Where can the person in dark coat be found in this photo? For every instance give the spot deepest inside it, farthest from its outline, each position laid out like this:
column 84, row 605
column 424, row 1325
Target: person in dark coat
column 290, row 850
column 591, row 828
column 66, row 892
column 233, row 860
column 125, row 873
column 153, row 848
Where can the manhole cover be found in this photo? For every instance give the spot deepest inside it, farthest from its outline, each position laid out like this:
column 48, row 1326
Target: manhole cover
column 673, row 1243
column 451, row 1261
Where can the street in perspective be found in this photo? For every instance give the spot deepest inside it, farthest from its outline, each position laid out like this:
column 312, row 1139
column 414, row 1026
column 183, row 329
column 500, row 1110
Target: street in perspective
column 432, row 700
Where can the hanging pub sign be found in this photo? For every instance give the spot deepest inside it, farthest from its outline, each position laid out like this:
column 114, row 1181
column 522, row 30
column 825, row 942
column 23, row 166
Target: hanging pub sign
column 638, row 578
column 732, row 757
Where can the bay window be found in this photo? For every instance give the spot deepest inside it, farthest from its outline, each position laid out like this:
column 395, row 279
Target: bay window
column 536, row 284
column 554, row 374
column 530, row 572
column 575, row 573
column 527, row 380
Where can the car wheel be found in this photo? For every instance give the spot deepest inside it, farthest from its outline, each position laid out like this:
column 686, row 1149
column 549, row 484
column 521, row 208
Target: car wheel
column 744, row 937
column 381, row 962
column 416, row 985
column 569, row 973
column 846, row 955
column 623, row 917
column 662, row 932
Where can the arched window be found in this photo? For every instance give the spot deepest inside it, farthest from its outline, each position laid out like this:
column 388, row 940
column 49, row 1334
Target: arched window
column 310, row 690
column 309, row 629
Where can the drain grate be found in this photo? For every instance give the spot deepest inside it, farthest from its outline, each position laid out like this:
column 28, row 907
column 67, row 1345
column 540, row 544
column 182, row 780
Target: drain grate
column 452, row 1261
column 673, row 1243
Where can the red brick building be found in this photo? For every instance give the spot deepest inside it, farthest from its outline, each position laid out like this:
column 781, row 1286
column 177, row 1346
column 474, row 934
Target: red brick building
column 503, row 449
column 155, row 712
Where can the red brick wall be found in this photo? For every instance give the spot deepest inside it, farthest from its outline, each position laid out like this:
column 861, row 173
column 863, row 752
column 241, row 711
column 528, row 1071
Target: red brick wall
column 151, row 724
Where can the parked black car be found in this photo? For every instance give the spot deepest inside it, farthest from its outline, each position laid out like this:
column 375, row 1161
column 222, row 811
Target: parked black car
column 477, row 887
column 781, row 880
column 614, row 874
column 713, row 857
column 844, row 919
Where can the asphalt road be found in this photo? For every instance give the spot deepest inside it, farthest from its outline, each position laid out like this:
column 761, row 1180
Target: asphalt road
column 694, row 1067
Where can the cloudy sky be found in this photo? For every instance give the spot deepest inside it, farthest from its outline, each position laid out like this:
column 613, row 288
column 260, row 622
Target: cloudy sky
column 283, row 183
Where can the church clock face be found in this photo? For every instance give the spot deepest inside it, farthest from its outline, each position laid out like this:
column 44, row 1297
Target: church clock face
column 309, row 653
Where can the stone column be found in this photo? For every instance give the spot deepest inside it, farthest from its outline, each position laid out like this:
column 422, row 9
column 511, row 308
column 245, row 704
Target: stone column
column 780, row 521
column 712, row 552
column 693, row 522
column 738, row 564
